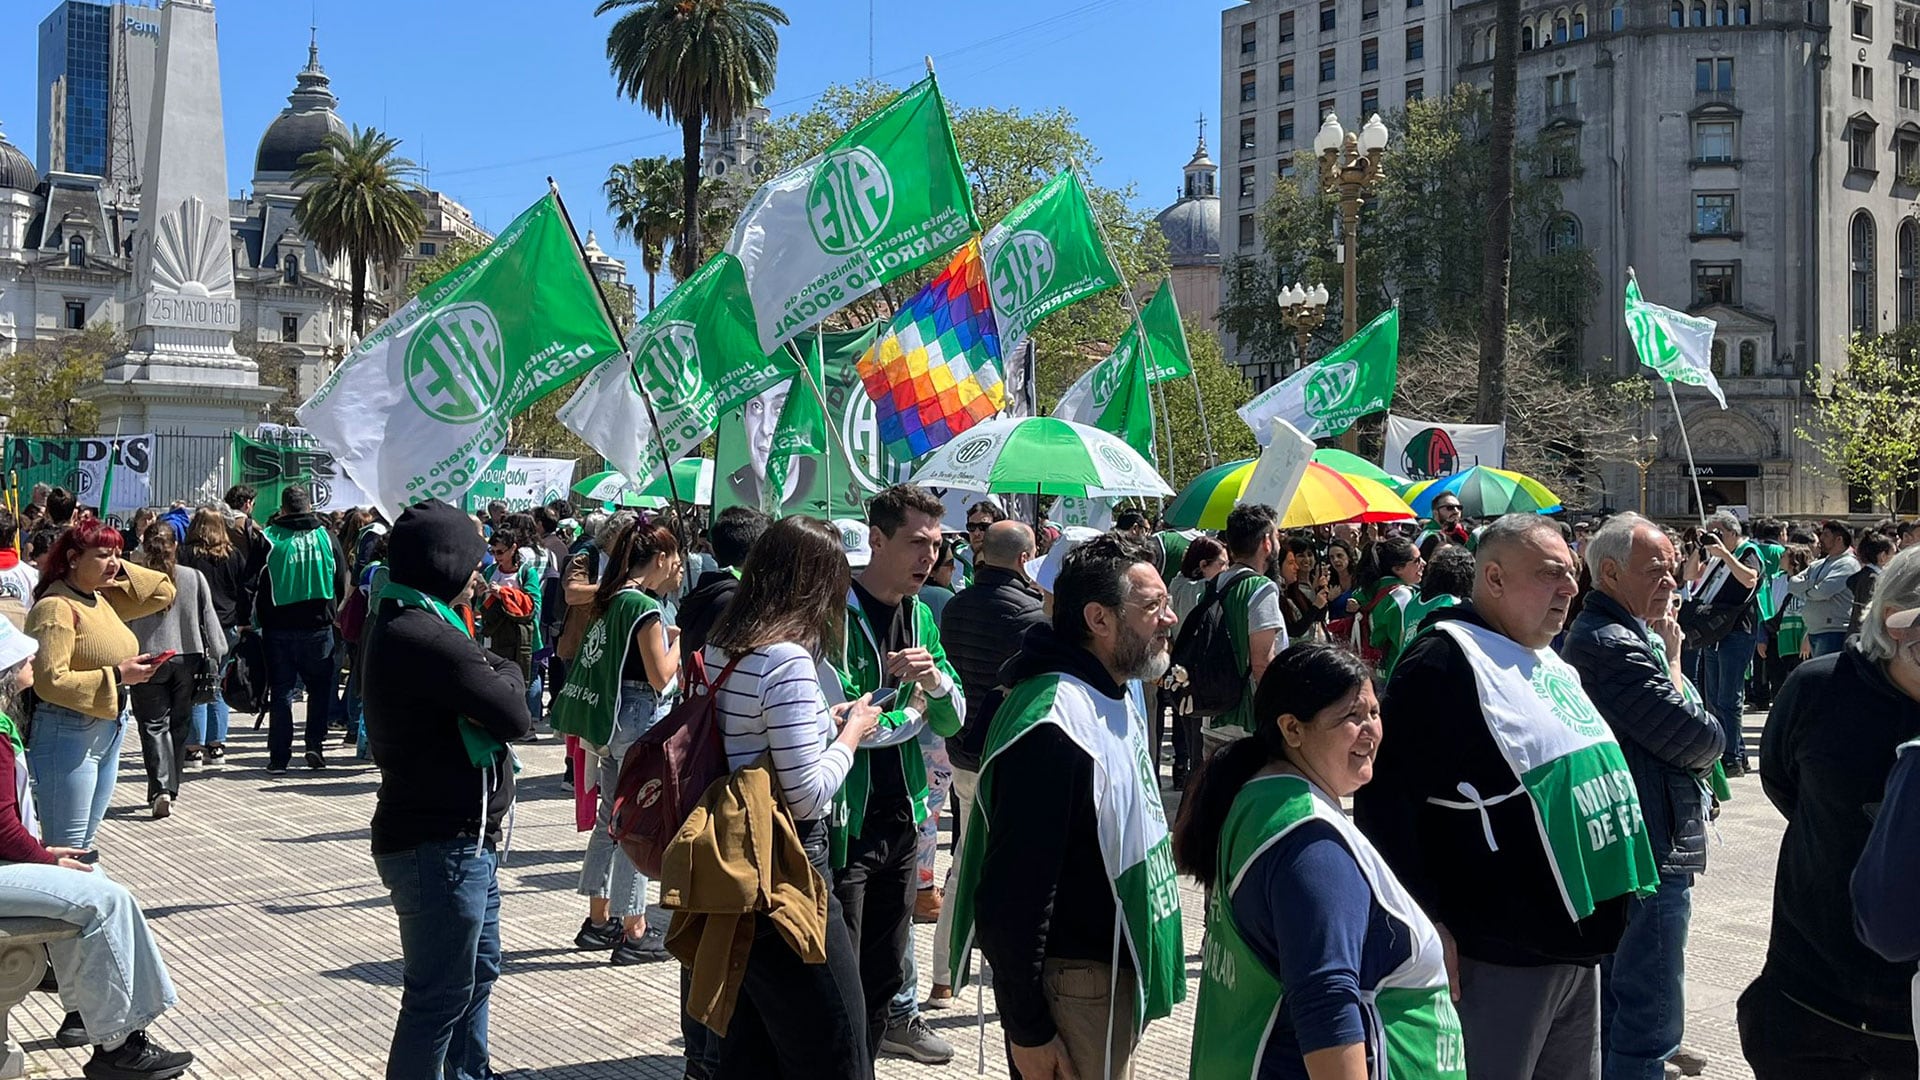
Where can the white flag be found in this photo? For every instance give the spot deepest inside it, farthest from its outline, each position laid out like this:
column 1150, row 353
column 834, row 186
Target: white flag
column 1282, row 465
column 1673, row 343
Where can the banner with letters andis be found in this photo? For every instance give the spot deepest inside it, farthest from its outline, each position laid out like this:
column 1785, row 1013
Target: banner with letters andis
column 1424, row 450
column 80, row 465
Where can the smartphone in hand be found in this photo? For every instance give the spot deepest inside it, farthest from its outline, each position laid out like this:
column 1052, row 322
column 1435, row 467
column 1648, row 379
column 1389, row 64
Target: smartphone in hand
column 883, row 698
column 160, row 657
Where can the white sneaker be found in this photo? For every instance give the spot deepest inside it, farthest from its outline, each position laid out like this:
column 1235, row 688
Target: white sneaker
column 162, row 806
column 916, row 1040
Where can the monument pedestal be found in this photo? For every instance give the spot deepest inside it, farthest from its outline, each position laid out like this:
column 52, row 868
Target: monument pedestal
column 177, row 406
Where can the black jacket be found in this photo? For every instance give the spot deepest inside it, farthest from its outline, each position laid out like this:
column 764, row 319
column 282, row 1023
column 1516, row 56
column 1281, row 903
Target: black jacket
column 305, row 614
column 981, row 630
column 1666, row 739
column 1043, row 852
column 1503, row 907
column 1828, row 750
column 701, row 608
column 422, row 677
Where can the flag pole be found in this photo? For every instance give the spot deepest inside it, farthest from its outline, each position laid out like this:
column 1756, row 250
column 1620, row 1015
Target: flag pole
column 613, row 322
column 1699, row 504
column 1193, row 377
column 1133, row 307
column 819, row 395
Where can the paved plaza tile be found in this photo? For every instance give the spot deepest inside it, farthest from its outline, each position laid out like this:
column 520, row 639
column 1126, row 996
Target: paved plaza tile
column 285, row 955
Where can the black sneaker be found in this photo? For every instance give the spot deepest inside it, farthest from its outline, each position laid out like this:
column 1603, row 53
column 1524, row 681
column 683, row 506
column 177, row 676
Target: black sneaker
column 316, row 760
column 72, row 1033
column 139, row 1058
column 277, row 769
column 598, row 938
column 651, row 948
column 216, row 756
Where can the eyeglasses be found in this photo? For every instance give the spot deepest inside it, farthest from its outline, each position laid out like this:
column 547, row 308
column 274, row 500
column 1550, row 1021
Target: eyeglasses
column 978, row 526
column 1156, row 607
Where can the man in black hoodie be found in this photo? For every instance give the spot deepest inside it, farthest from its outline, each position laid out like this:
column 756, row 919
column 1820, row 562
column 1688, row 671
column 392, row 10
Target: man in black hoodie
column 305, row 580
column 437, row 817
column 735, row 530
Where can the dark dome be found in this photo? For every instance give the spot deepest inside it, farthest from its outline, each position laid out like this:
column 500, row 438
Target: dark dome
column 302, row 127
column 16, row 168
column 1192, row 227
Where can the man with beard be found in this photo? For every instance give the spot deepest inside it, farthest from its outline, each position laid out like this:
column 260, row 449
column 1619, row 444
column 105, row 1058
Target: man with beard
column 1067, row 856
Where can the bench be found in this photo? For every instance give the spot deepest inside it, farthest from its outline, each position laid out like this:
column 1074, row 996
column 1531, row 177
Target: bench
column 23, row 963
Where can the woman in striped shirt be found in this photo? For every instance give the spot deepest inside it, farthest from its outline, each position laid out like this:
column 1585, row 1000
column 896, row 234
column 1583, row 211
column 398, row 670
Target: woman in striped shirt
column 793, row 1019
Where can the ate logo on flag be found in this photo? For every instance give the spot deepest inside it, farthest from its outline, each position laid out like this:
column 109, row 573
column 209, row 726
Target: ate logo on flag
column 850, row 200
column 672, row 357
column 455, row 365
column 1329, row 388
column 1108, row 376
column 1561, row 691
column 1022, row 267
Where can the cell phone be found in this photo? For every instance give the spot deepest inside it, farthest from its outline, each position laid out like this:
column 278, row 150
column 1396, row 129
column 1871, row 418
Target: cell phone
column 162, row 657
column 883, row 698
column 88, row 857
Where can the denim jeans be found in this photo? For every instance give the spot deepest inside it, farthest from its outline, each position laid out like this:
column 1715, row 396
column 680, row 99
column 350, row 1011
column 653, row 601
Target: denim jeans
column 303, row 655
column 606, row 870
column 1725, row 666
column 1830, row 642
column 74, row 759
column 209, row 724
column 1643, row 1010
column 536, row 707
column 448, row 899
column 112, row 974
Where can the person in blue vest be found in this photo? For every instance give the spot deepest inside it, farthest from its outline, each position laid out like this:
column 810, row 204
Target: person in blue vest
column 301, row 589
column 892, row 643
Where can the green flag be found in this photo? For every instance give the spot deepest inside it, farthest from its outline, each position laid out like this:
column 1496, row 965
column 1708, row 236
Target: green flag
column 802, row 430
column 1113, row 397
column 1326, row 397
column 887, row 197
column 421, row 407
column 1167, row 356
column 1045, row 254
column 1676, row 345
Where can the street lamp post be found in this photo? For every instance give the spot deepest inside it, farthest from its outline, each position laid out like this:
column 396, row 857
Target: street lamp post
column 1350, row 165
column 1303, row 310
column 1645, row 450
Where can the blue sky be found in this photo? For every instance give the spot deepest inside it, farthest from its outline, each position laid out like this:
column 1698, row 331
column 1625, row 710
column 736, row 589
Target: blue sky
column 493, row 95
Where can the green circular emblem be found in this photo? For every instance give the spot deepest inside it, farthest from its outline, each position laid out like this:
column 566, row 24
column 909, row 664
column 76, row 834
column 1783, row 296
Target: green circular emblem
column 671, row 359
column 1021, row 268
column 456, row 365
column 1329, row 386
column 849, row 201
column 1560, row 689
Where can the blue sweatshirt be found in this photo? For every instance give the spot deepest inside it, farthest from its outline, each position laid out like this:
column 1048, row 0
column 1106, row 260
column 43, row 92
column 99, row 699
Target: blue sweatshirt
column 1886, row 883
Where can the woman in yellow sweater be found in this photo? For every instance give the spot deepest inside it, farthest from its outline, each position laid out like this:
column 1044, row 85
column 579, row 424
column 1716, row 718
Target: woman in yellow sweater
column 87, row 659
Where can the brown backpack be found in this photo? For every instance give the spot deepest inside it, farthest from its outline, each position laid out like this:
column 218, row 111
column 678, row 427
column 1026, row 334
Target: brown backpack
column 666, row 772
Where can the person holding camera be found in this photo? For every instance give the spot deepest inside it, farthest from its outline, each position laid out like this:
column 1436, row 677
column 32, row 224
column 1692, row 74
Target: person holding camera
column 1822, row 587
column 1721, row 621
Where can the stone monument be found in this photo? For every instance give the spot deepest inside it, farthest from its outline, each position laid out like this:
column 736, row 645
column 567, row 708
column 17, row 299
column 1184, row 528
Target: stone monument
column 180, row 372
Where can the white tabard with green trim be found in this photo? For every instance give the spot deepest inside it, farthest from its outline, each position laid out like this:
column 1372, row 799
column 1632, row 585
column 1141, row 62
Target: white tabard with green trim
column 1567, row 765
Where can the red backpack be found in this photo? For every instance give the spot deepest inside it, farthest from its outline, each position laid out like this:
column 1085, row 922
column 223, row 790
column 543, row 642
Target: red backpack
column 666, row 772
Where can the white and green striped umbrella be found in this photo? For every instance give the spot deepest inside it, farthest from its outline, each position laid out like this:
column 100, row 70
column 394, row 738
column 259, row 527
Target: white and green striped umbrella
column 693, row 478
column 1041, row 455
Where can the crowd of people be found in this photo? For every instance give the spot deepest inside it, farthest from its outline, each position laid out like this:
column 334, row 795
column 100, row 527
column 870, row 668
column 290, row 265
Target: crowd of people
column 1447, row 785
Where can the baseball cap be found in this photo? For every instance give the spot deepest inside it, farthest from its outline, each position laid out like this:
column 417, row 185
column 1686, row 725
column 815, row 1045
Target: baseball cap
column 1046, row 569
column 856, row 540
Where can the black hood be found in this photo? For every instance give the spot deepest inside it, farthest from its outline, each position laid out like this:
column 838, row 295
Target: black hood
column 296, row 522
column 1042, row 652
column 434, row 548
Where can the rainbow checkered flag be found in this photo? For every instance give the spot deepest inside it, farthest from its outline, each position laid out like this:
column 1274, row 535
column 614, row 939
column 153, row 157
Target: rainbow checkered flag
column 935, row 372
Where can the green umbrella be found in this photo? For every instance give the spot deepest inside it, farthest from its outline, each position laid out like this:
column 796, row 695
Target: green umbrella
column 1347, row 464
column 1042, row 455
column 1485, row 492
column 692, row 481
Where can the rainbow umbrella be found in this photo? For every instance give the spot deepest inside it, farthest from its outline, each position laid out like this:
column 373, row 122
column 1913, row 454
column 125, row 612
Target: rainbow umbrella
column 1354, row 465
column 1205, row 503
column 1382, row 503
column 1324, row 497
column 1485, row 492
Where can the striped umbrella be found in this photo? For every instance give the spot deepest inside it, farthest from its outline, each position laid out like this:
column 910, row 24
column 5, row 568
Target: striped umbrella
column 1485, row 492
column 1324, row 497
column 1043, row 455
column 1354, row 465
column 692, row 478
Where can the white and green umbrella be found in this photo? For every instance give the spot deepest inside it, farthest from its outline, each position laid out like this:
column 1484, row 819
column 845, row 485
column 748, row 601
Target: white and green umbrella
column 692, row 478
column 1041, row 455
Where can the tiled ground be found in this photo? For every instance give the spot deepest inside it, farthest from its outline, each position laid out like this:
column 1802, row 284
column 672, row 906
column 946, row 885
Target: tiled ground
column 287, row 963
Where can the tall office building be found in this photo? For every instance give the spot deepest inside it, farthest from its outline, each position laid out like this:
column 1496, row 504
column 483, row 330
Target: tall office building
column 85, row 48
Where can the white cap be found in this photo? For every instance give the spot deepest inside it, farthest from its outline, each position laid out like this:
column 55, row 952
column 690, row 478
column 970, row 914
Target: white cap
column 1046, row 569
column 856, row 539
column 15, row 645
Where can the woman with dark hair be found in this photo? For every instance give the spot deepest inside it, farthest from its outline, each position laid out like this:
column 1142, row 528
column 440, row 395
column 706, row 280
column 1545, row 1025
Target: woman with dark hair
column 189, row 634
column 1389, row 607
column 793, row 1019
column 223, row 560
column 1304, row 587
column 626, row 663
column 88, row 659
column 1318, row 962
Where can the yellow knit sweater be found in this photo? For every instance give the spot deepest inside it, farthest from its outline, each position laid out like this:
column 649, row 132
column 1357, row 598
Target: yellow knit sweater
column 82, row 641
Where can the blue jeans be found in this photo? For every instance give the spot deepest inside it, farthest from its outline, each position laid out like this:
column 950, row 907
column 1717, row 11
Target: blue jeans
column 606, row 870
column 1725, row 667
column 209, row 724
column 304, row 655
column 74, row 760
column 112, row 974
column 448, row 899
column 1830, row 642
column 1643, row 1010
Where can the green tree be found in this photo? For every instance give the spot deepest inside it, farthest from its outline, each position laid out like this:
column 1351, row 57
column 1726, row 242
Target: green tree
column 40, row 382
column 355, row 205
column 697, row 63
column 1865, row 419
column 643, row 196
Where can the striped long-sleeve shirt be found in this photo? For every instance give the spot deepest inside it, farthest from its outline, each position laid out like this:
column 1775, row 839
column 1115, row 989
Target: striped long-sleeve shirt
column 773, row 700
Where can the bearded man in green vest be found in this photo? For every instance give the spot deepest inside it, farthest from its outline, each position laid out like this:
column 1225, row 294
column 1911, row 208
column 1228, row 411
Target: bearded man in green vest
column 301, row 590
column 1502, row 802
column 1067, row 881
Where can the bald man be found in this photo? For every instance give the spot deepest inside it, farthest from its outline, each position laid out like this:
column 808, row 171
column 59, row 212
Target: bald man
column 981, row 628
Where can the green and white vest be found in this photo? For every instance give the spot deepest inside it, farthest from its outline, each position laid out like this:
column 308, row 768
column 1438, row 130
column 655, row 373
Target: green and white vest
column 1565, row 761
column 589, row 702
column 1134, row 843
column 1414, row 1031
column 299, row 564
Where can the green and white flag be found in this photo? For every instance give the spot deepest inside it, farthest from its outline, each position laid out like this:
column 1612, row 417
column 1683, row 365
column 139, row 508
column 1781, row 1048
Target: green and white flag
column 1045, row 254
column 887, row 197
column 802, row 428
column 696, row 356
column 1676, row 345
column 1167, row 354
column 421, row 407
column 1113, row 397
column 1326, row 397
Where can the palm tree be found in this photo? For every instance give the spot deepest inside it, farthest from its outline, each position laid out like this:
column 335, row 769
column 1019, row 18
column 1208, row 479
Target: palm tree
column 698, row 63
column 355, row 205
column 1496, row 256
column 644, row 197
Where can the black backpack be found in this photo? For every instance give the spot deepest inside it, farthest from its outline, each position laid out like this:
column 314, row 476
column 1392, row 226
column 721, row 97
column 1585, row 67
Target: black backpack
column 1215, row 681
column 244, row 684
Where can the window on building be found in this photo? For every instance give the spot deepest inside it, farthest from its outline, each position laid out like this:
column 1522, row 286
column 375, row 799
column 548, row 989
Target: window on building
column 1697, row 14
column 1246, row 183
column 1906, row 153
column 1579, row 25
column 1286, row 76
column 1749, row 358
column 1286, row 166
column 1416, row 90
column 1910, row 92
column 1863, row 82
column 1369, row 9
column 1713, row 140
column 1717, row 358
column 1370, row 54
column 1716, row 283
column 1906, row 25
column 290, row 270
column 1416, row 43
column 1677, row 15
column 1863, row 22
column 1742, row 13
column 1563, row 234
column 1907, row 294
column 1248, row 42
column 1713, row 75
column 1246, row 230
column 1865, row 297
column 1562, row 90
column 1560, row 30
column 1526, row 37
column 1369, row 101
column 1249, row 86
column 289, row 328
column 1286, row 27
column 1713, row 213
column 1416, row 3
column 428, row 249
column 1326, row 15
column 1327, row 66
column 76, row 314
column 1720, row 12
column 76, row 251
column 1860, row 148
column 1563, row 157
column 1286, row 126
column 1247, row 135
column 1617, row 18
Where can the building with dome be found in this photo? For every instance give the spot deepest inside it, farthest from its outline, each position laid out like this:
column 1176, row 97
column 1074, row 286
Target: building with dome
column 1192, row 228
